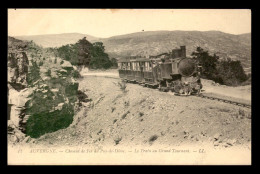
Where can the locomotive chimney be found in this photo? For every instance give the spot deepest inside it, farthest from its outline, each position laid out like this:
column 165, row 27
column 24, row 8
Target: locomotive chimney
column 183, row 51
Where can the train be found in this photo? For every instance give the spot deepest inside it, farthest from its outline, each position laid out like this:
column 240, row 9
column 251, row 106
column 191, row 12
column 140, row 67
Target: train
column 172, row 71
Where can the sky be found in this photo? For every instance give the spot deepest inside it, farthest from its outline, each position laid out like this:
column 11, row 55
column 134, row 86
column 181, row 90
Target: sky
column 110, row 22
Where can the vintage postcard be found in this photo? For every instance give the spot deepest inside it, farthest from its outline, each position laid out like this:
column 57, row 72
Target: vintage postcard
column 129, row 87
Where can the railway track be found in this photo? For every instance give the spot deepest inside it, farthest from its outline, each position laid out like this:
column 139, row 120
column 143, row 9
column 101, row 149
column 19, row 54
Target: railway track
column 209, row 96
column 229, row 100
column 234, row 102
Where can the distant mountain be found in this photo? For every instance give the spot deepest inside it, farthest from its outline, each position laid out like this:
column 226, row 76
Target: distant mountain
column 56, row 40
column 237, row 47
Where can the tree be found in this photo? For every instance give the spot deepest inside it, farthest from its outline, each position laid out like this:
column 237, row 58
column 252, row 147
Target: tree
column 231, row 72
column 207, row 62
column 68, row 52
column 114, row 62
column 77, row 54
column 226, row 72
column 99, row 59
column 83, row 53
column 83, row 50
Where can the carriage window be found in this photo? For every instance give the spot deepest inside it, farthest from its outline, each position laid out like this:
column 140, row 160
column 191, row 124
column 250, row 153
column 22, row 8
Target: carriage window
column 150, row 66
column 124, row 66
column 138, row 66
column 128, row 66
column 141, row 65
column 147, row 66
column 134, row 66
column 119, row 65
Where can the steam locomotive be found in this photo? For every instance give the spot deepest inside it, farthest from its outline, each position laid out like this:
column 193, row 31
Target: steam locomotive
column 171, row 71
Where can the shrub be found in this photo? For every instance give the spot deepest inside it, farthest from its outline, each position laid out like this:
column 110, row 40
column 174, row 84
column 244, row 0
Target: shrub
column 41, row 63
column 112, row 109
column 117, row 140
column 227, row 72
column 125, row 114
column 114, row 121
column 82, row 96
column 122, row 85
column 241, row 112
column 153, row 138
column 231, row 72
column 48, row 73
column 114, row 63
column 45, row 122
column 141, row 114
column 76, row 74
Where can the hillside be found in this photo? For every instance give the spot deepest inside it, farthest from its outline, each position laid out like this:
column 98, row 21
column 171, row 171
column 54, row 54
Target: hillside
column 237, row 47
column 42, row 90
column 56, row 40
column 144, row 118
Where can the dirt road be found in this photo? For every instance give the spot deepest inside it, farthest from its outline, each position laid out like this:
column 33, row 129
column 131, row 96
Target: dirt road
column 240, row 92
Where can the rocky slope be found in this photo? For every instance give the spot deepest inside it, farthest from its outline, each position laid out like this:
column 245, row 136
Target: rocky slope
column 146, row 117
column 115, row 122
column 18, row 65
column 42, row 91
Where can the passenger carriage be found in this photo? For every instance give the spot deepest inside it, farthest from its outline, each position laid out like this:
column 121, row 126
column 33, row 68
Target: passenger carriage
column 168, row 71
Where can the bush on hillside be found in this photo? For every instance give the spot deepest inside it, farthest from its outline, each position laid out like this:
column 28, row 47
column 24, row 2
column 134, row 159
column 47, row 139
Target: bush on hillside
column 40, row 123
column 114, row 63
column 225, row 72
column 231, row 72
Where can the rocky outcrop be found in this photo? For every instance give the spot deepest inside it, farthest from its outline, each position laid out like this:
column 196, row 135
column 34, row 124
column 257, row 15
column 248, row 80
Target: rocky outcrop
column 18, row 90
column 42, row 91
column 16, row 103
column 51, row 105
column 17, row 69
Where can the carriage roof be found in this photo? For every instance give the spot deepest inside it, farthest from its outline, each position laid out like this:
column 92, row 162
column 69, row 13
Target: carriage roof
column 140, row 60
column 133, row 60
column 123, row 60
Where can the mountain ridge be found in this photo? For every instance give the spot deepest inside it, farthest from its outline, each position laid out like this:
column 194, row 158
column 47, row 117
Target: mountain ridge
column 56, row 40
column 236, row 47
